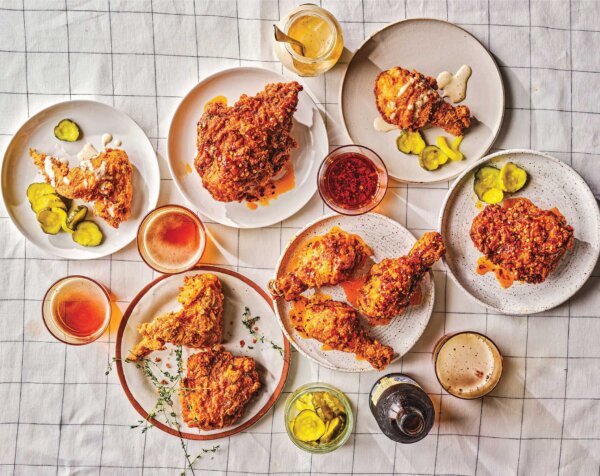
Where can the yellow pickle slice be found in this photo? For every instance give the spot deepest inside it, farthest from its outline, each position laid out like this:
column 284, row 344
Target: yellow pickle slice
column 308, row 426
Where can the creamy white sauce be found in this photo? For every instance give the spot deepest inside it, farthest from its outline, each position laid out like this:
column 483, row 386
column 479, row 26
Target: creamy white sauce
column 380, row 125
column 111, row 210
column 66, row 180
column 118, row 143
column 87, row 152
column 454, row 86
column 49, row 169
column 106, row 139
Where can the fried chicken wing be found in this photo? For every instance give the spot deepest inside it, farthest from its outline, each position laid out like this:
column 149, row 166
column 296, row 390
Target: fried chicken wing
column 337, row 325
column 243, row 147
column 217, row 388
column 524, row 240
column 410, row 100
column 199, row 322
column 391, row 283
column 324, row 260
column 105, row 179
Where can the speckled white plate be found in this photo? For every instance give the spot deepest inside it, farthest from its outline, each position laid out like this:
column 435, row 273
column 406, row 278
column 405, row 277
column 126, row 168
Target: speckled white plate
column 388, row 239
column 552, row 183
column 429, row 46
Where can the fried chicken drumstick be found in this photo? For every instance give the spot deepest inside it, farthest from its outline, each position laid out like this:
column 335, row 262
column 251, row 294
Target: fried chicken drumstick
column 391, row 283
column 243, row 147
column 324, row 260
column 337, row 325
column 199, row 322
column 410, row 100
column 104, row 179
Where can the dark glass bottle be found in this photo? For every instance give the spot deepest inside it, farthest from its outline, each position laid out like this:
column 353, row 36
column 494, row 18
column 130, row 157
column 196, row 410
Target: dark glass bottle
column 401, row 407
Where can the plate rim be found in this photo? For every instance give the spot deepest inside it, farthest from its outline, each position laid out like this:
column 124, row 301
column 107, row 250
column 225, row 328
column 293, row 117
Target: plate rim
column 293, row 238
column 167, row 429
column 420, row 20
column 151, row 203
column 170, row 139
column 479, row 163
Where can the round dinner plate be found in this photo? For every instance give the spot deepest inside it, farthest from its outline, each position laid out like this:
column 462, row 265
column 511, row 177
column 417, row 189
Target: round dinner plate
column 94, row 119
column 160, row 297
column 430, row 47
column 308, row 130
column 388, row 239
column 551, row 184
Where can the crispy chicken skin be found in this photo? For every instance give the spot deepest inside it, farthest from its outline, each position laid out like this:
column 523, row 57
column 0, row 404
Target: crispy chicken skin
column 324, row 260
column 411, row 101
column 391, row 283
column 104, row 180
column 217, row 388
column 337, row 325
column 199, row 322
column 522, row 239
column 243, row 147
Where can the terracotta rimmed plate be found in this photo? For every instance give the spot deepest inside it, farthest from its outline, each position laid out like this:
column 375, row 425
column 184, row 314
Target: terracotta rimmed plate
column 388, row 239
column 551, row 183
column 94, row 119
column 160, row 296
column 308, row 130
column 429, row 46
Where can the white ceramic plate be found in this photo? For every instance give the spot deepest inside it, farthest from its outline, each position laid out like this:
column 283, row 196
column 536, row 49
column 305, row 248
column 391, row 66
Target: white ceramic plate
column 308, row 130
column 552, row 183
column 94, row 119
column 160, row 296
column 388, row 239
column 430, row 47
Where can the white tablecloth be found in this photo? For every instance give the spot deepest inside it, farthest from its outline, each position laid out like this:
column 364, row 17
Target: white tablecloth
column 59, row 413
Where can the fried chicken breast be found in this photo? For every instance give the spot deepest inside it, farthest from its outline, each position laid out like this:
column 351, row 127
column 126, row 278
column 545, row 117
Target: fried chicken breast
column 199, row 322
column 524, row 240
column 217, row 388
column 243, row 147
column 410, row 100
column 105, row 179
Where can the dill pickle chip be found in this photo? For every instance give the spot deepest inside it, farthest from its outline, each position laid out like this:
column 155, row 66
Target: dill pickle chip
column 431, row 157
column 304, row 402
column 87, row 233
column 454, row 154
column 66, row 130
column 308, row 426
column 512, row 177
column 410, row 142
column 486, row 178
column 333, row 428
column 51, row 220
column 37, row 189
column 493, row 195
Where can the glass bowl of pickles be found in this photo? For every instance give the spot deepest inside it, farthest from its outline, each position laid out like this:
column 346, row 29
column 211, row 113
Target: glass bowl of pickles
column 318, row 418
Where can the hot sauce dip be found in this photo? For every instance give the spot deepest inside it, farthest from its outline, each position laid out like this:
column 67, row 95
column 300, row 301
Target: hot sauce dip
column 171, row 239
column 352, row 180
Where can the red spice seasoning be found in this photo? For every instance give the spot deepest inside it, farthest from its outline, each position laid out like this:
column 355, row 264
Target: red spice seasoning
column 351, row 180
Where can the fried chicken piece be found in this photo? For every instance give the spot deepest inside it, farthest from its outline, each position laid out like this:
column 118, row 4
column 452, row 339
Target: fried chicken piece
column 337, row 325
column 243, row 147
column 199, row 322
column 324, row 260
column 391, row 283
column 104, row 179
column 410, row 100
column 217, row 388
column 524, row 240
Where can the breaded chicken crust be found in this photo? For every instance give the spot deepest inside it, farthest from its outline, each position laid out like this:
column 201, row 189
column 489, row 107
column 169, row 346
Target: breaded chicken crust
column 199, row 322
column 105, row 179
column 410, row 100
column 217, row 388
column 243, row 147
column 524, row 240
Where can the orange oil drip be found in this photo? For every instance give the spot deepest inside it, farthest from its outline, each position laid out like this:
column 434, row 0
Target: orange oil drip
column 286, row 183
column 188, row 168
column 352, row 289
column 219, row 99
column 252, row 205
column 484, row 266
column 379, row 322
column 417, row 297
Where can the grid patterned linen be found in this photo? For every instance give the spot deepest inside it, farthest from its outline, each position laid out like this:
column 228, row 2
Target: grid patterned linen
column 60, row 414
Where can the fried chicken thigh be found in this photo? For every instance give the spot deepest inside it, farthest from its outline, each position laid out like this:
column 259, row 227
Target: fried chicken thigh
column 217, row 388
column 243, row 147
column 410, row 100
column 104, row 180
column 337, row 325
column 199, row 322
column 391, row 283
column 324, row 260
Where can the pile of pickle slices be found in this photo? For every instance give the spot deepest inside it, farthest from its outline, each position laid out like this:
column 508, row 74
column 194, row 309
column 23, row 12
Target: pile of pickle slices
column 321, row 418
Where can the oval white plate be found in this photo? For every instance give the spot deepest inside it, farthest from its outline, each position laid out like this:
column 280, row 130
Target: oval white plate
column 551, row 183
column 308, row 130
column 430, row 47
column 159, row 297
column 388, row 239
column 94, row 119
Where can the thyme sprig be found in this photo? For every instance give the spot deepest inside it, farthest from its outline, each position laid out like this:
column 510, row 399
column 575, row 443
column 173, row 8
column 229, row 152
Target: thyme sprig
column 250, row 324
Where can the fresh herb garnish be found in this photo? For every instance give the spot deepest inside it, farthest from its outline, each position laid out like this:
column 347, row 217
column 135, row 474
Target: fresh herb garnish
column 250, row 324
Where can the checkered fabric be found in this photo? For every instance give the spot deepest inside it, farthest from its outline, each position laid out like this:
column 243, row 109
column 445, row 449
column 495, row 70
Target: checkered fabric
column 60, row 413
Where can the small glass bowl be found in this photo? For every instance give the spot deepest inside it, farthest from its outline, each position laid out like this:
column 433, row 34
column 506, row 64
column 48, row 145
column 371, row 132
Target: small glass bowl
column 291, row 411
column 381, row 172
